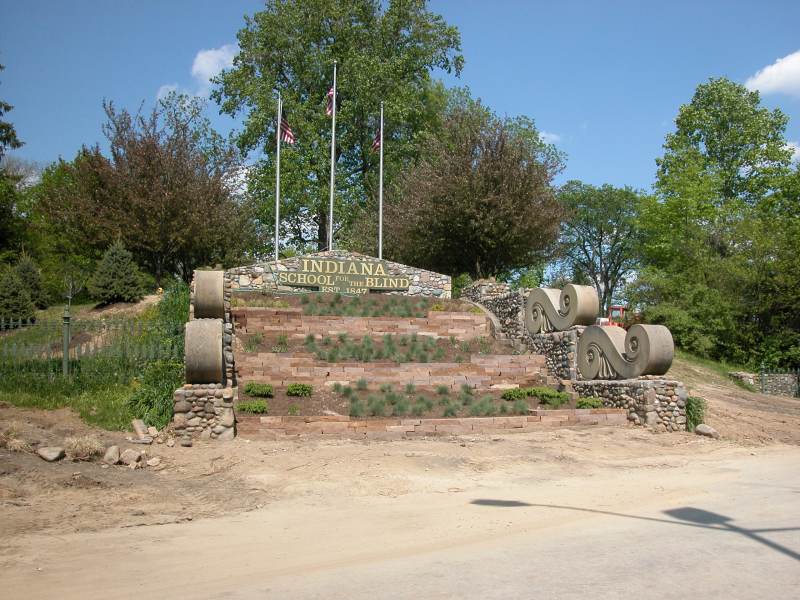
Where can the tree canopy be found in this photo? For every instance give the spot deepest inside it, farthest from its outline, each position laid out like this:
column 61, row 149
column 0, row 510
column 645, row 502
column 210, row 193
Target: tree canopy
column 385, row 52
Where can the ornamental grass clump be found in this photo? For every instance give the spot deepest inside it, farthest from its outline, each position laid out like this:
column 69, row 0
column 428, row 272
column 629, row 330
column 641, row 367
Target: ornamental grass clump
column 256, row 407
column 695, row 412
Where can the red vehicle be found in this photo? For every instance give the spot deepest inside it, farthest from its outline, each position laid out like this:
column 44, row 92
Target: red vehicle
column 616, row 315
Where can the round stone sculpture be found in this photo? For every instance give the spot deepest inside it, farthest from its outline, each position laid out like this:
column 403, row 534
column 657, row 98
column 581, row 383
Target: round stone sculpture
column 611, row 353
column 209, row 298
column 203, row 351
column 549, row 309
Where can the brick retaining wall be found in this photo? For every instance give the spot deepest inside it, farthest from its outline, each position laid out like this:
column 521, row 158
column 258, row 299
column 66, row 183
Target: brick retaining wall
column 482, row 371
column 344, row 426
column 291, row 322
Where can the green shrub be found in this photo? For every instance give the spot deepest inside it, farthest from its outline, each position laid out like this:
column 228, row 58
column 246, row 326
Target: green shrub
column 117, row 277
column 376, row 406
column 299, row 389
column 520, row 407
column 418, row 409
column 515, row 394
column 695, row 412
column 459, row 283
column 442, row 390
column 357, row 408
column 282, row 345
column 548, row 396
column 451, row 410
column 31, row 278
column 386, row 387
column 337, row 387
column 392, row 398
column 256, row 407
column 402, row 407
column 361, row 384
column 15, row 300
column 253, row 341
column 152, row 399
column 590, row 403
column 261, row 390
column 410, row 388
column 503, row 410
column 293, row 410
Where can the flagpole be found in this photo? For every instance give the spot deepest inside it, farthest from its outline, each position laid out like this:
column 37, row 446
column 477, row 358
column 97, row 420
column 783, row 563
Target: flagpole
column 278, row 176
column 333, row 161
column 380, row 194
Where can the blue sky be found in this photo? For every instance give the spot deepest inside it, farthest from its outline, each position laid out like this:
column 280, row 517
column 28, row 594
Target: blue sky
column 603, row 79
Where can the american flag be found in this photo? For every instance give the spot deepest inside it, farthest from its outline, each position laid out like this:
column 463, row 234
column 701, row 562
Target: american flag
column 376, row 143
column 287, row 135
column 329, row 107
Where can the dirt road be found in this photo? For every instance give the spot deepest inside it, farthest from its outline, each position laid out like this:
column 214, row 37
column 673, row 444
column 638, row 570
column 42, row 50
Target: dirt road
column 602, row 513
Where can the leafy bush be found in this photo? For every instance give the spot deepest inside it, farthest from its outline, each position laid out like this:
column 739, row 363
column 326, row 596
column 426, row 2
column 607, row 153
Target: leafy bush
column 117, row 277
column 376, row 406
column 31, row 278
column 261, row 390
column 299, row 389
column 256, row 407
column 402, row 407
column 347, row 391
column 520, row 407
column 548, row 396
column 590, row 403
column 515, row 394
column 451, row 410
column 361, row 384
column 695, row 412
column 459, row 283
column 15, row 300
column 152, row 400
column 442, row 390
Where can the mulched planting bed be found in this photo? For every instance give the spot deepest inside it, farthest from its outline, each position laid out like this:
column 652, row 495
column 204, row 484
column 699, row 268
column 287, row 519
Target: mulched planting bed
column 396, row 401
column 369, row 305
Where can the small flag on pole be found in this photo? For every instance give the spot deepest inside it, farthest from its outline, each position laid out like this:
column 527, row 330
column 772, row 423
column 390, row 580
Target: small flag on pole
column 376, row 143
column 287, row 135
column 329, row 106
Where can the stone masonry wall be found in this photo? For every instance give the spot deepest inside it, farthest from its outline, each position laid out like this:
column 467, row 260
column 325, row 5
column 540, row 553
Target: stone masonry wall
column 560, row 349
column 204, row 411
column 779, row 384
column 653, row 402
column 260, row 276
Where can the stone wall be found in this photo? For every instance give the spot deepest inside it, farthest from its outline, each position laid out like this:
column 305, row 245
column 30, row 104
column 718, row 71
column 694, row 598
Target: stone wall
column 262, row 276
column 560, row 351
column 293, row 323
column 653, row 402
column 779, row 384
column 204, row 411
column 508, row 306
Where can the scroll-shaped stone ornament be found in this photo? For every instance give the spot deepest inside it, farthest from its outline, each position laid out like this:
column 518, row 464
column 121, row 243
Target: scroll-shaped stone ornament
column 611, row 353
column 553, row 310
column 209, row 297
column 203, row 351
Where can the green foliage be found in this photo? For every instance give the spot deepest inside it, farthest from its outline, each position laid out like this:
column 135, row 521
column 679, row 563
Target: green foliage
column 590, row 403
column 695, row 412
column 357, row 408
column 402, row 407
column 261, row 390
column 385, row 52
column 15, row 301
column 548, row 397
column 442, row 390
column 361, row 384
column 451, row 409
column 253, row 341
column 117, row 278
column 461, row 194
column 281, row 345
column 299, row 389
column 514, row 394
column 600, row 237
column 256, row 407
column 459, row 282
column 376, row 406
column 152, row 400
column 293, row 410
column 31, row 278
column 520, row 407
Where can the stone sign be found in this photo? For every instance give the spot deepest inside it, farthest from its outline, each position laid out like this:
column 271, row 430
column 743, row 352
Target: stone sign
column 343, row 276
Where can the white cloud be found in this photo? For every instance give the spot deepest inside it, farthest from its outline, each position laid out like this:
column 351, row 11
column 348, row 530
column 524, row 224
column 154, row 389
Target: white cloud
column 165, row 90
column 549, row 138
column 782, row 76
column 209, row 63
column 795, row 148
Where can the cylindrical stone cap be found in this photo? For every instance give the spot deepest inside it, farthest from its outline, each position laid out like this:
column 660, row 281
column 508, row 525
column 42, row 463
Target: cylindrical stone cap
column 203, row 351
column 208, row 295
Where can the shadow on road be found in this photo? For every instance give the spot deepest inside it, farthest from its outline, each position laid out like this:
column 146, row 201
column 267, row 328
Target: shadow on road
column 688, row 516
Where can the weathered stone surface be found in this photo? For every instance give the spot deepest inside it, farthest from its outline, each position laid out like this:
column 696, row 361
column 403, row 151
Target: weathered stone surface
column 130, row 456
column 111, row 457
column 227, row 417
column 706, row 430
column 182, row 406
column 228, row 434
column 51, row 453
column 154, row 462
column 139, row 427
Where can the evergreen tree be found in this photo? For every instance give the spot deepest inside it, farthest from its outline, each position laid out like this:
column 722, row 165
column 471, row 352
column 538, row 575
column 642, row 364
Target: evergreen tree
column 117, row 278
column 31, row 278
column 15, row 301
